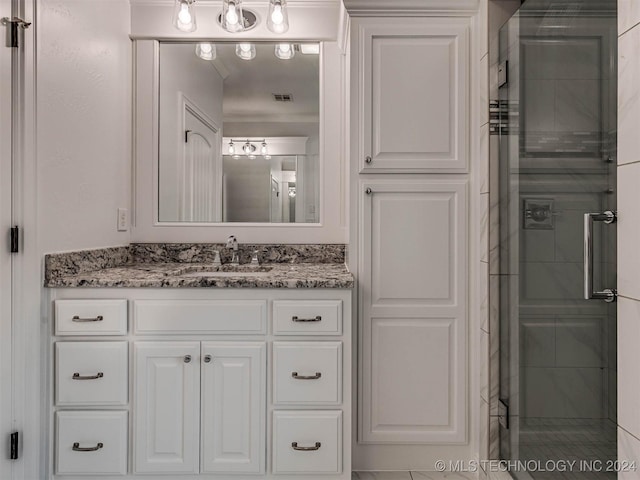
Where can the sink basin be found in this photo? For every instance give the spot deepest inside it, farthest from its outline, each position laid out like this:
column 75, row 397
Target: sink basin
column 226, row 274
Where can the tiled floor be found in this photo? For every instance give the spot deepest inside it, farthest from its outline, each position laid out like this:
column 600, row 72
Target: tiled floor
column 411, row 476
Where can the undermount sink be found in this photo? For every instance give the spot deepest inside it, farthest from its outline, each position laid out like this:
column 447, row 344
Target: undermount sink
column 226, row 274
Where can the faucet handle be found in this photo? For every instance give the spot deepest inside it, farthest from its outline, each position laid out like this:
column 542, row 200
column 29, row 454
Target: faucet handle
column 254, row 258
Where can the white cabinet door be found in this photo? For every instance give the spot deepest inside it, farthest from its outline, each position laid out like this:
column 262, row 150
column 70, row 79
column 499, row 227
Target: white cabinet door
column 166, row 407
column 413, row 292
column 233, row 407
column 411, row 89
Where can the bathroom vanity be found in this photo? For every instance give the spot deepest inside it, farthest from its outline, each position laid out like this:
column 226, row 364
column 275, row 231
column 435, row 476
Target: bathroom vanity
column 154, row 375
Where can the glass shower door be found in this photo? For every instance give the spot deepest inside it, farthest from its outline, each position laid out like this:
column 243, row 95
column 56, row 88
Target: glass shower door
column 557, row 163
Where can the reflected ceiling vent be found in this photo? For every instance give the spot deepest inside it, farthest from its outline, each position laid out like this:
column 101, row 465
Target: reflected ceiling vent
column 282, row 97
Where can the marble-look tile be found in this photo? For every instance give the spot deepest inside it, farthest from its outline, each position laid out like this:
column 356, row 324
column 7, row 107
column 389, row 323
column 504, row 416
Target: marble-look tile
column 628, row 14
column 484, row 366
column 494, row 226
column 580, row 342
column 629, row 96
column 494, row 438
column 494, row 305
column 628, row 361
column 629, row 228
column 499, row 12
column 483, row 296
column 483, row 158
column 628, row 451
column 494, row 370
column 380, row 476
column 551, row 281
column 483, row 431
column 443, row 476
column 537, row 341
column 483, row 213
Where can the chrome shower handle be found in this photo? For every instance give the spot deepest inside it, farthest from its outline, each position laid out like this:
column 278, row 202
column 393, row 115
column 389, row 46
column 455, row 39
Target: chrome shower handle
column 608, row 295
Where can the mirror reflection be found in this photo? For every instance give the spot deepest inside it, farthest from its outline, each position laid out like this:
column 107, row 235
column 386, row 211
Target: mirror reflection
column 239, row 133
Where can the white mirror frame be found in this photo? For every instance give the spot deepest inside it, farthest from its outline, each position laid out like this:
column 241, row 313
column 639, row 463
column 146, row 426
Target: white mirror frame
column 332, row 227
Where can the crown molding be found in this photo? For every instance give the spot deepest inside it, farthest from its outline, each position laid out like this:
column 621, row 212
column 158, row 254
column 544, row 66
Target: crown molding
column 411, row 7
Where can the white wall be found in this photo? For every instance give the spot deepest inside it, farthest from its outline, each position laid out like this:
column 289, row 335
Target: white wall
column 83, row 122
column 628, row 233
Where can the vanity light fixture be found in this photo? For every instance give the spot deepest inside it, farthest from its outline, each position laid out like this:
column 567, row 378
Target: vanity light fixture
column 248, row 148
column 246, row 51
column 264, row 150
column 292, row 192
column 278, row 19
column 184, row 16
column 285, row 51
column 206, row 51
column 232, row 148
column 232, row 16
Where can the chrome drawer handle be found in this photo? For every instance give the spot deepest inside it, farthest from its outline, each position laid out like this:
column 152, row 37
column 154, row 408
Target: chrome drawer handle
column 298, row 319
column 76, row 318
column 77, row 376
column 308, row 377
column 78, row 448
column 295, row 446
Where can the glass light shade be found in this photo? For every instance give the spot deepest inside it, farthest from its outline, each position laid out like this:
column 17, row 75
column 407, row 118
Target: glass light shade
column 252, row 157
column 285, row 51
column 232, row 148
column 184, row 16
column 264, row 150
column 232, row 16
column 246, row 51
column 249, row 148
column 206, row 51
column 278, row 17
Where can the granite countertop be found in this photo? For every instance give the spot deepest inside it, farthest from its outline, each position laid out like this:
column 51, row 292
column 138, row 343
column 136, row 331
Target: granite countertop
column 142, row 266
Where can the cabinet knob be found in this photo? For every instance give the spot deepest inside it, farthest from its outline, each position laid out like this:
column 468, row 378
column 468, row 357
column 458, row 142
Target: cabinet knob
column 368, row 191
column 367, row 159
column 187, row 359
column 207, row 359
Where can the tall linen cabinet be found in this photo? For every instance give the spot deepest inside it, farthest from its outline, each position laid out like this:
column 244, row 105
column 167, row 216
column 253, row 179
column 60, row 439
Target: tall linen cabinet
column 411, row 171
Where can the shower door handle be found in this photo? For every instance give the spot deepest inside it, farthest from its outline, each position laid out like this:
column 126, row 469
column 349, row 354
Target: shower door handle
column 608, row 295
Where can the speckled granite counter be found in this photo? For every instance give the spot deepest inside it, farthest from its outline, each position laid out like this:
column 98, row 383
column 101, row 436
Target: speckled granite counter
column 190, row 266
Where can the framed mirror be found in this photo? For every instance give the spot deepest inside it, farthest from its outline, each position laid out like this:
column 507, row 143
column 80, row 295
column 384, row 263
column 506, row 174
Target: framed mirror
column 239, row 133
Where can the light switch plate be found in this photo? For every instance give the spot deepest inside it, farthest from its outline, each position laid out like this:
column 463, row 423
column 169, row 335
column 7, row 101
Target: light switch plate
column 123, row 220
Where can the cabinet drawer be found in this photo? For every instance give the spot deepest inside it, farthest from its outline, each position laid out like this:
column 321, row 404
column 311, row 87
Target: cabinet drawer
column 91, row 373
column 103, row 435
column 175, row 317
column 307, row 317
column 307, row 373
column 307, row 442
column 91, row 317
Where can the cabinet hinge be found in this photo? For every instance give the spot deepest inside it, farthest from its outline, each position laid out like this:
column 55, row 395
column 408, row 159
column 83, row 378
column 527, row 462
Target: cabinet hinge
column 15, row 239
column 14, row 25
column 13, row 454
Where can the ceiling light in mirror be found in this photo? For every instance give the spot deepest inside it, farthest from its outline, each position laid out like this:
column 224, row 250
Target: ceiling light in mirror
column 278, row 19
column 184, row 16
column 285, row 51
column 310, row 48
column 206, row 51
column 246, row 51
column 232, row 16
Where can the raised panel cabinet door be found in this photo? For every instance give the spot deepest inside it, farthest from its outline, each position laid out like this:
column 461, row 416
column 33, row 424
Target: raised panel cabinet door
column 234, row 402
column 413, row 320
column 166, row 407
column 412, row 89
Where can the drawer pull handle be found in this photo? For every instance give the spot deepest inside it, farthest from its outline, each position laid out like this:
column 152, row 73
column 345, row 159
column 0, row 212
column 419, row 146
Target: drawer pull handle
column 78, row 448
column 295, row 446
column 314, row 319
column 76, row 318
column 306, row 377
column 77, row 376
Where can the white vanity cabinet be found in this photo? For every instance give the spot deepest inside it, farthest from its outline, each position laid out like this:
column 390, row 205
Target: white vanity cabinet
column 256, row 384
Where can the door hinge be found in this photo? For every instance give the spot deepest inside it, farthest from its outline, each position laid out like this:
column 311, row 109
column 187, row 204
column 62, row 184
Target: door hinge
column 503, row 414
column 15, row 239
column 14, row 25
column 13, row 454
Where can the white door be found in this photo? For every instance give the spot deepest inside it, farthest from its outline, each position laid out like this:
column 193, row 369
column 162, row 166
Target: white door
column 233, row 407
column 413, row 100
column 199, row 174
column 6, row 385
column 413, row 316
column 166, row 407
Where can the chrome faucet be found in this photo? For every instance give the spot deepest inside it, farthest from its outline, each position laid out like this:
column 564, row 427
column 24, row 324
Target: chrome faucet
column 232, row 243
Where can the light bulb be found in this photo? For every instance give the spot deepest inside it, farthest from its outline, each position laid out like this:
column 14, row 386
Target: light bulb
column 184, row 16
column 276, row 16
column 232, row 149
column 264, row 148
column 285, row 51
column 232, row 14
column 206, row 51
column 246, row 51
